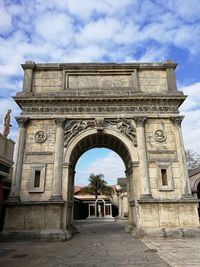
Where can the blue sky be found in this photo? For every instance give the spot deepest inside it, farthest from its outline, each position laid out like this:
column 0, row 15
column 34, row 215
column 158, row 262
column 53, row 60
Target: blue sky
column 102, row 31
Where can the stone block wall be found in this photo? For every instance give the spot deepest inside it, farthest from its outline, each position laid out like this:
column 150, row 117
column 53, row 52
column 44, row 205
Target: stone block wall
column 33, row 217
column 47, row 81
column 152, row 81
column 168, row 215
column 143, row 79
column 38, row 155
column 163, row 154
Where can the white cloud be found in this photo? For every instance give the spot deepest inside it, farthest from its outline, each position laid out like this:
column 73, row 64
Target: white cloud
column 99, row 31
column 55, row 27
column 191, row 110
column 192, row 102
column 111, row 166
column 5, row 21
column 187, row 10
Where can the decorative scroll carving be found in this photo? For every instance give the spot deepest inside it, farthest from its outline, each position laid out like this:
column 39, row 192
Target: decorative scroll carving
column 22, row 121
column 99, row 124
column 140, row 120
column 73, row 127
column 160, row 135
column 40, row 137
column 125, row 127
column 177, row 120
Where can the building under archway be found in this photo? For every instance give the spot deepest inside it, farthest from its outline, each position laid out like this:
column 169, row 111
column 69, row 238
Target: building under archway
column 98, row 163
column 69, row 108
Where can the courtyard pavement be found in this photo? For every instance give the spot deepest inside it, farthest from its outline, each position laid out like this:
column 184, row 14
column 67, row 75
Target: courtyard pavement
column 102, row 244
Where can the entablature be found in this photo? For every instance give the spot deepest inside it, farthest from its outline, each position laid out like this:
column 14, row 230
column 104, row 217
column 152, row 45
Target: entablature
column 119, row 105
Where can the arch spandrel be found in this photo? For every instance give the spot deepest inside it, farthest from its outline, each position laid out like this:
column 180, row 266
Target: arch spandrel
column 109, row 138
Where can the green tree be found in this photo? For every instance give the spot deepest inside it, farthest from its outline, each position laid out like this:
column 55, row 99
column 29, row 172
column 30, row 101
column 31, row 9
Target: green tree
column 97, row 186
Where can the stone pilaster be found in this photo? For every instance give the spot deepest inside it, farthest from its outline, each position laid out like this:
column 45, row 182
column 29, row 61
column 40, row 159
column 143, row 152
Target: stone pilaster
column 58, row 160
column 181, row 155
column 142, row 152
column 171, row 78
column 135, row 80
column 28, row 76
column 17, row 172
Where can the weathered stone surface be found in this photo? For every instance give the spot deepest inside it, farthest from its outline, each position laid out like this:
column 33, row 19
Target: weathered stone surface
column 129, row 108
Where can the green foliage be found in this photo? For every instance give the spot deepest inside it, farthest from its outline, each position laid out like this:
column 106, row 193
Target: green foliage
column 97, row 186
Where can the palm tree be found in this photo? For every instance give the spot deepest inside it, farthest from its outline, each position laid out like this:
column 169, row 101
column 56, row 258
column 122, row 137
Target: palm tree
column 97, row 186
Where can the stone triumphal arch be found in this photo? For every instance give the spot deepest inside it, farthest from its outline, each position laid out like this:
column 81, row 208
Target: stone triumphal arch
column 68, row 109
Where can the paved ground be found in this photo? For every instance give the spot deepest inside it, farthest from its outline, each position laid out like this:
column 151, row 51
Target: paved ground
column 177, row 252
column 101, row 244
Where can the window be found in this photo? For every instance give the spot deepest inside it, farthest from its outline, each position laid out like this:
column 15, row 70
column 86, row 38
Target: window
column 37, row 179
column 164, row 176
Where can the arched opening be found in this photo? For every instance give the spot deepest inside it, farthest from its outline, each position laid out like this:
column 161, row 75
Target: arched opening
column 92, row 163
column 91, row 140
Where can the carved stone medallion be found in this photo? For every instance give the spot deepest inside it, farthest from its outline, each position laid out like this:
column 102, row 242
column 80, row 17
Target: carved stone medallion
column 40, row 137
column 160, row 135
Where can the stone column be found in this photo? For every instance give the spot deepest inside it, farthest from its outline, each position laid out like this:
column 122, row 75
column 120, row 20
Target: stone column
column 142, row 152
column 28, row 76
column 58, row 161
column 17, row 172
column 181, row 155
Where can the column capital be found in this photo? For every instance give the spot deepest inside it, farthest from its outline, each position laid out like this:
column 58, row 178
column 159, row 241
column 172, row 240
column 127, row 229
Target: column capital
column 140, row 120
column 60, row 122
column 67, row 165
column 177, row 120
column 22, row 121
column 28, row 65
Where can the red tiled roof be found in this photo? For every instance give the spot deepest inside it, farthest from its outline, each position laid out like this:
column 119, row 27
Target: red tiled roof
column 77, row 188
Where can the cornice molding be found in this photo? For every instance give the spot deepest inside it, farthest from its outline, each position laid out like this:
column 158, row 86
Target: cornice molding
column 100, row 66
column 64, row 97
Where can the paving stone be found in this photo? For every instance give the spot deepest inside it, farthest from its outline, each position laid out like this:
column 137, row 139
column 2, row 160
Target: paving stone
column 96, row 245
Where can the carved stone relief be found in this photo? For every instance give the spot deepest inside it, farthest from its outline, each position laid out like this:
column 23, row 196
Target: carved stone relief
column 125, row 127
column 73, row 127
column 40, row 137
column 160, row 135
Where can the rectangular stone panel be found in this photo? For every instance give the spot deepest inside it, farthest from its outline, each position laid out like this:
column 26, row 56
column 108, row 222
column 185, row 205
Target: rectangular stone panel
column 168, row 215
column 98, row 80
column 14, row 219
column 52, row 217
column 188, row 215
column 34, row 218
column 34, row 157
column 149, row 215
column 162, row 156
